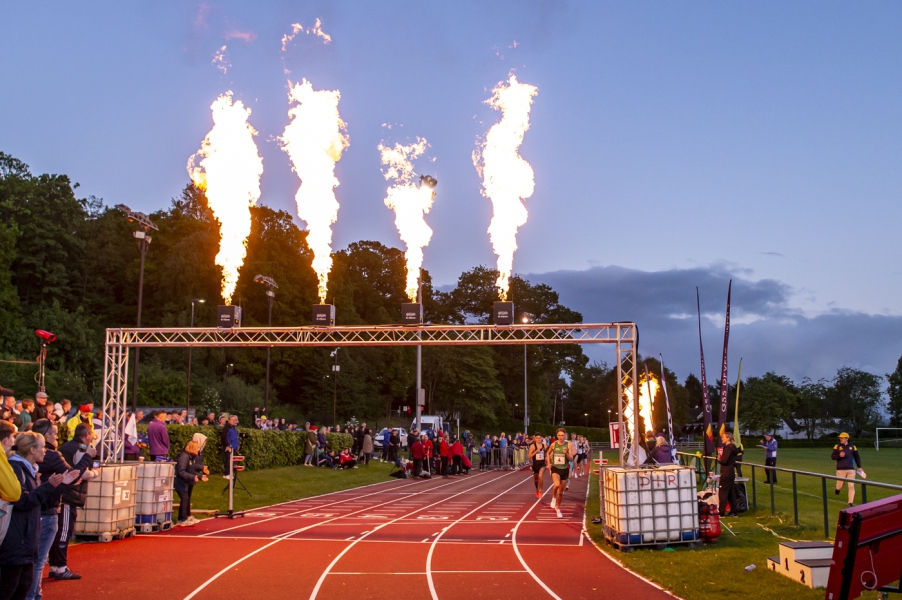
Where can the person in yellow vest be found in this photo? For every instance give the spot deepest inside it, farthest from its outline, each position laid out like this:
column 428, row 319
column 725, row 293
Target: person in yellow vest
column 10, row 488
column 83, row 417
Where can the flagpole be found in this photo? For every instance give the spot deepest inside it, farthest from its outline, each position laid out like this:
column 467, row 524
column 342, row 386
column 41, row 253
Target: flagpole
column 706, row 402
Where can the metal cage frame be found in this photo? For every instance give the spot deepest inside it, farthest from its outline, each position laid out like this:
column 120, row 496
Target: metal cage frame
column 624, row 335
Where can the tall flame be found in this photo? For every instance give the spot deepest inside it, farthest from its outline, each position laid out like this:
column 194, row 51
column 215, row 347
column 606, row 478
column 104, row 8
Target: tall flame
column 410, row 203
column 314, row 141
column 507, row 179
column 646, row 399
column 229, row 171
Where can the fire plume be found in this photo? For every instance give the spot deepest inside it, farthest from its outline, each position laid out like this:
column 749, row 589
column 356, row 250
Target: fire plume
column 410, row 203
column 646, row 399
column 314, row 141
column 228, row 168
column 507, row 179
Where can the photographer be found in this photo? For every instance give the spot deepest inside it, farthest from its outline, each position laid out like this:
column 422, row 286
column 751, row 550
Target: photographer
column 229, row 444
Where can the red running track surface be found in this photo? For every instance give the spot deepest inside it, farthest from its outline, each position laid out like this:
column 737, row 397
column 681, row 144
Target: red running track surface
column 482, row 535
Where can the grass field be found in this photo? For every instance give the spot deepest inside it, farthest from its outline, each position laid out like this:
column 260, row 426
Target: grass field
column 717, row 571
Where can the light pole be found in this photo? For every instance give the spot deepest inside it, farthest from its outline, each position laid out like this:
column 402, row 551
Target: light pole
column 188, row 396
column 228, row 372
column 587, row 418
column 143, row 240
column 335, row 369
column 419, row 409
column 270, row 296
column 526, row 319
column 514, row 415
column 609, row 417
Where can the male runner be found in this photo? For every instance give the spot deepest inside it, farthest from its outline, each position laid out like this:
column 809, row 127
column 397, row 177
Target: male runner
column 558, row 459
column 537, row 451
column 582, row 458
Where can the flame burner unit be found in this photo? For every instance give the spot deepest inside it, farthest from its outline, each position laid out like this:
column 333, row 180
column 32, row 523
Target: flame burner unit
column 503, row 313
column 228, row 316
column 411, row 314
column 323, row 315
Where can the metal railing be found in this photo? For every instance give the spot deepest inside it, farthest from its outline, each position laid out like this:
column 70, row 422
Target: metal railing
column 695, row 460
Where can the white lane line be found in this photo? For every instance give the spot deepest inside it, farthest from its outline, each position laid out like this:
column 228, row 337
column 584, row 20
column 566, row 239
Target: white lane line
column 322, row 577
column 450, row 525
column 520, row 556
column 287, row 535
column 303, row 510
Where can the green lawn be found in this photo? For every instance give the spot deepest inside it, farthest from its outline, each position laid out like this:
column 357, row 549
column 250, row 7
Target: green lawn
column 272, row 486
column 717, row 571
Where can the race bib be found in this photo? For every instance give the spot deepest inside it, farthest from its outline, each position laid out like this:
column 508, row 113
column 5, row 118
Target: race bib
column 540, row 455
column 560, row 460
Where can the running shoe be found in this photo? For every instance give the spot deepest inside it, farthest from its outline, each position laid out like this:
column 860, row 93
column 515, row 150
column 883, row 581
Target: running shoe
column 553, row 501
column 559, row 515
column 538, row 494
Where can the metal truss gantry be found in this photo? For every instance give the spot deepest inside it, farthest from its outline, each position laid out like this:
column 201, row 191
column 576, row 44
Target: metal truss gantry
column 624, row 335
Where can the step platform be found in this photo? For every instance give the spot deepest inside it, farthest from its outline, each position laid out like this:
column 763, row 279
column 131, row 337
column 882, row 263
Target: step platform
column 806, row 562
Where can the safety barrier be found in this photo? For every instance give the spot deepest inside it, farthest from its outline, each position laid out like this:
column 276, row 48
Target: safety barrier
column 696, row 460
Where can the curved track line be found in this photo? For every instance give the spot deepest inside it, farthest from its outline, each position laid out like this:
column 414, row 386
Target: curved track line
column 322, row 577
column 449, row 526
column 305, row 509
column 517, row 550
column 283, row 536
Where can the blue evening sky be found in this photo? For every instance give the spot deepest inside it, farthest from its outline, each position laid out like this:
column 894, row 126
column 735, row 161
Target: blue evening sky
column 674, row 144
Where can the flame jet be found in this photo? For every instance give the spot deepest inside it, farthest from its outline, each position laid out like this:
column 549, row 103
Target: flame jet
column 410, row 203
column 229, row 170
column 647, row 398
column 314, row 141
column 507, row 179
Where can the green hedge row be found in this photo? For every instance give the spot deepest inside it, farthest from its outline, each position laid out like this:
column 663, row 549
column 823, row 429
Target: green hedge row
column 261, row 449
column 509, row 426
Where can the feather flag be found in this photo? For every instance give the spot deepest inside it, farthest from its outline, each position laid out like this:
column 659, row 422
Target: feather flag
column 706, row 402
column 736, row 438
column 673, row 450
column 724, row 386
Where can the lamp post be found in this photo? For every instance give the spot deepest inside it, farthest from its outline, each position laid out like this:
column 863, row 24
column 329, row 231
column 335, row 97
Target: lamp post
column 228, row 372
column 419, row 408
column 526, row 319
column 587, row 418
column 188, row 396
column 609, row 417
column 270, row 296
column 143, row 242
column 335, row 369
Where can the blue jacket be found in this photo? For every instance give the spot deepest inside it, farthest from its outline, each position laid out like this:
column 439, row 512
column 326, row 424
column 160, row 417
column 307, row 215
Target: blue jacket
column 386, row 438
column 847, row 462
column 232, row 438
column 770, row 448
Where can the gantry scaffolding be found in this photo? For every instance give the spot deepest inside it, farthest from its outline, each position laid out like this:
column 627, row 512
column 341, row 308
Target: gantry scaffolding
column 623, row 335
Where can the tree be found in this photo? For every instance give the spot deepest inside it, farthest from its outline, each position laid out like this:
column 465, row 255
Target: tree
column 894, row 391
column 765, row 401
column 811, row 405
column 855, row 398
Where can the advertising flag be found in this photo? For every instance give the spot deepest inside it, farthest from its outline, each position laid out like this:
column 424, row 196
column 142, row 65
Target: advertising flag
column 736, row 438
column 724, row 386
column 706, row 402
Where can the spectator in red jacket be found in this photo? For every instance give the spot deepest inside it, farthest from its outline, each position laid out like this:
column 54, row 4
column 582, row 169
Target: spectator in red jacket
column 417, row 453
column 455, row 452
column 443, row 452
column 347, row 460
column 429, row 451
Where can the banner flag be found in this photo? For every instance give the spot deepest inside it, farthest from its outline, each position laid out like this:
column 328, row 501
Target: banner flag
column 673, row 450
column 724, row 385
column 736, row 438
column 706, row 402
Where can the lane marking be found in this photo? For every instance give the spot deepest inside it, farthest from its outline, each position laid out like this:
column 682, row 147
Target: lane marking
column 322, row 577
column 289, row 534
column 520, row 556
column 439, row 536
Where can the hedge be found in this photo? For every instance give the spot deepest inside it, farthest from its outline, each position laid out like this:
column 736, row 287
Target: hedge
column 508, row 426
column 261, row 449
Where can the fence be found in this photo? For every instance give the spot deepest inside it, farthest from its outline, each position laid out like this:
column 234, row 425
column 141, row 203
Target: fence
column 695, row 460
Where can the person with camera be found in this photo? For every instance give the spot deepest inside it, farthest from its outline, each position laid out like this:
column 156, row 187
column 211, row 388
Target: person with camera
column 19, row 549
column 52, row 463
column 229, row 444
column 74, row 497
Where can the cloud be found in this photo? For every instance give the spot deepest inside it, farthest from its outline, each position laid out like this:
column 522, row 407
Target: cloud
column 245, row 36
column 766, row 330
column 773, row 254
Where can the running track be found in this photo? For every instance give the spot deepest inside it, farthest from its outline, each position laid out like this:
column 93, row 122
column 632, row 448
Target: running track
column 483, row 535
